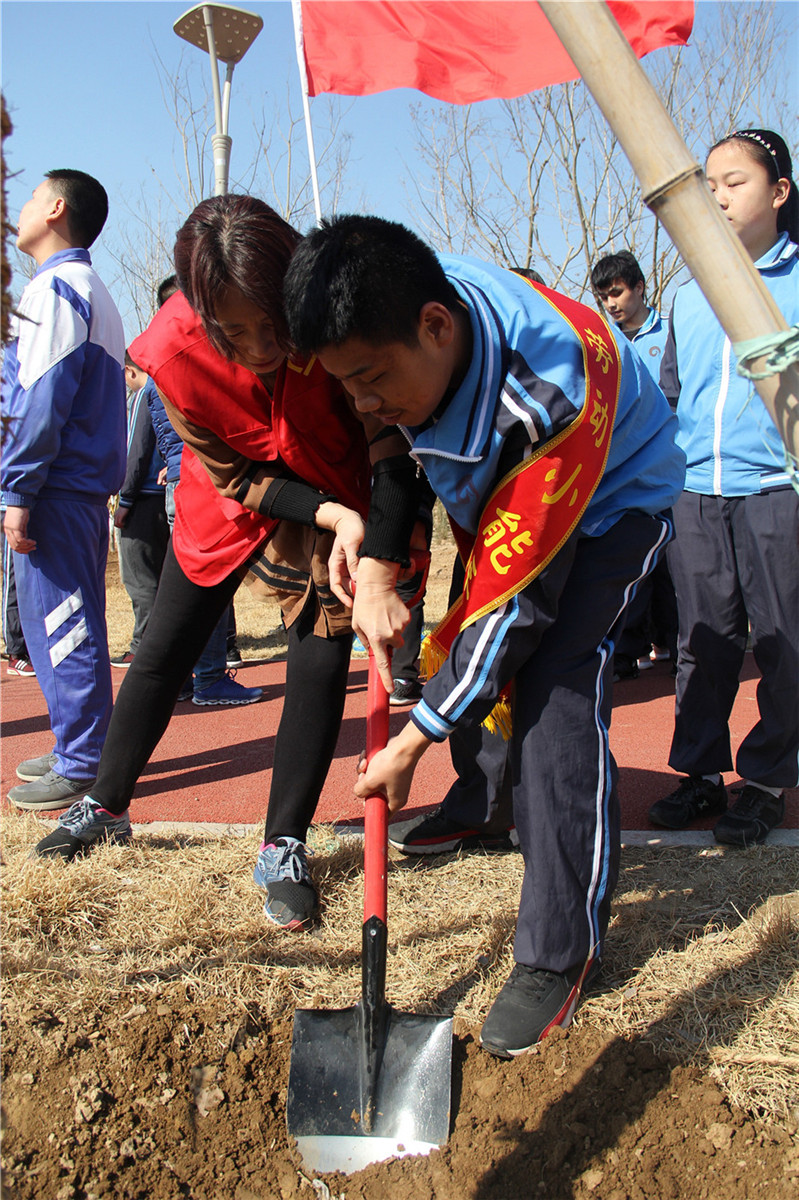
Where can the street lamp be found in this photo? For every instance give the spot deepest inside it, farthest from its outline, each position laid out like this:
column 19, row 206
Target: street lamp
column 226, row 34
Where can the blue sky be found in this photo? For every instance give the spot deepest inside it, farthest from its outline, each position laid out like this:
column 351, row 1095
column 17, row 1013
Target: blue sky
column 83, row 85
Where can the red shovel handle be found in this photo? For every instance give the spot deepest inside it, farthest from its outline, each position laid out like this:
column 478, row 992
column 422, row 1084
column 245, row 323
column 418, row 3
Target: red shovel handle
column 375, row 847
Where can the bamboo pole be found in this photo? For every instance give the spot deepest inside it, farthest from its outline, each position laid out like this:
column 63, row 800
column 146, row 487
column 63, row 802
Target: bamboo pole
column 674, row 188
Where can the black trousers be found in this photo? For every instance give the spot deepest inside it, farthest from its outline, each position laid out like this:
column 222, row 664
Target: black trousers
column 180, row 624
column 143, row 540
column 735, row 566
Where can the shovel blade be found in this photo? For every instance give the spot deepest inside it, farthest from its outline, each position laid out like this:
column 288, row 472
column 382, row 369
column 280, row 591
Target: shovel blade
column 323, row 1110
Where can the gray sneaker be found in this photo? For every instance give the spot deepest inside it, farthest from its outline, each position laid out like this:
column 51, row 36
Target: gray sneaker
column 34, row 768
column 83, row 826
column 48, row 791
column 281, row 871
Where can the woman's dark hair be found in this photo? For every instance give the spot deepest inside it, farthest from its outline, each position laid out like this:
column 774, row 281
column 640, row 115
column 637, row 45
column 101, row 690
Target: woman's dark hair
column 768, row 148
column 235, row 241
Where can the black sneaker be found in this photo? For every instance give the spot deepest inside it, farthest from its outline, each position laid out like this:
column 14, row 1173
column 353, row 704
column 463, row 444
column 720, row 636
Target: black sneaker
column 751, row 819
column 624, row 667
column 439, row 834
column 694, row 798
column 233, row 657
column 85, row 825
column 406, row 691
column 529, row 1006
column 123, row 660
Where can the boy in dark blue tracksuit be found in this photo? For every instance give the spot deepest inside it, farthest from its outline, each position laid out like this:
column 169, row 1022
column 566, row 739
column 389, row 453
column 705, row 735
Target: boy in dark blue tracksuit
column 550, row 444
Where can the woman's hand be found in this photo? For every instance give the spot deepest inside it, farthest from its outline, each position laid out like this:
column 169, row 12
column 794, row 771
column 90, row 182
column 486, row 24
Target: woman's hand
column 390, row 772
column 342, row 565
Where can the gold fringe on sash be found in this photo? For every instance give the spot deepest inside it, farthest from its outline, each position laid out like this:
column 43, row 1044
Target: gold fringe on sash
column 432, row 658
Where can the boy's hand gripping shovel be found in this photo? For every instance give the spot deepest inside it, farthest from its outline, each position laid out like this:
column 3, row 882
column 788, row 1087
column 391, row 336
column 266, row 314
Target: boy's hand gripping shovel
column 368, row 1083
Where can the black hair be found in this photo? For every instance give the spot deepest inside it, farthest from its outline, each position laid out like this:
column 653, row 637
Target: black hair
column 623, row 266
column 166, row 288
column 768, row 148
column 234, row 241
column 528, row 273
column 86, row 200
column 360, row 276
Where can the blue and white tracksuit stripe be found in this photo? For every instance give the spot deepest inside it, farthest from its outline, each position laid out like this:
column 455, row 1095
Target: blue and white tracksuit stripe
column 64, row 398
column 555, row 639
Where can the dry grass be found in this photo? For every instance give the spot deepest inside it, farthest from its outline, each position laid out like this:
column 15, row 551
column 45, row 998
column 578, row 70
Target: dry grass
column 701, row 958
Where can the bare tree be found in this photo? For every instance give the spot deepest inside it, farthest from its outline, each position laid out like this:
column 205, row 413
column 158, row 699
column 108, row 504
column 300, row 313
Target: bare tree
column 275, row 167
column 542, row 181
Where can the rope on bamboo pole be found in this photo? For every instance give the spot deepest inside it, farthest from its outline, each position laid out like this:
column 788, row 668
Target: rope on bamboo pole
column 780, row 350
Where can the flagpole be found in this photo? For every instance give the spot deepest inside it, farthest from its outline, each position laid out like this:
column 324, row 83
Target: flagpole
column 675, row 189
column 296, row 11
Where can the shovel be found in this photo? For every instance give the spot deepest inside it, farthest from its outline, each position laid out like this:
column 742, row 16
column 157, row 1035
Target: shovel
column 368, row 1083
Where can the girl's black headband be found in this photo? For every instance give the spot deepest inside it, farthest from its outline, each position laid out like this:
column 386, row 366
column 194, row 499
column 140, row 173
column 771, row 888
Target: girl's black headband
column 774, row 144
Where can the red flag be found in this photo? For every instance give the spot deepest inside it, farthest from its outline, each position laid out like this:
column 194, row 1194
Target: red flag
column 459, row 50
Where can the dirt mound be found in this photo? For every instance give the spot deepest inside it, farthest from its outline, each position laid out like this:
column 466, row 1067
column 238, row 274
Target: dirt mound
column 169, row 1099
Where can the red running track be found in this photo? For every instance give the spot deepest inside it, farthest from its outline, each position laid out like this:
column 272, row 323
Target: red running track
column 214, row 764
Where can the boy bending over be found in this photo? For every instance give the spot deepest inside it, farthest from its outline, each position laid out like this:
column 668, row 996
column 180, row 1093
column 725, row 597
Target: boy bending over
column 552, row 450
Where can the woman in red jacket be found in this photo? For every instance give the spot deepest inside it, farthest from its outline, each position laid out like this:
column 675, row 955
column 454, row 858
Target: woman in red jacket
column 275, row 483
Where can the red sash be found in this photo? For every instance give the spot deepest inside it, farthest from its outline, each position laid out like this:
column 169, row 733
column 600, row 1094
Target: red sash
column 536, row 507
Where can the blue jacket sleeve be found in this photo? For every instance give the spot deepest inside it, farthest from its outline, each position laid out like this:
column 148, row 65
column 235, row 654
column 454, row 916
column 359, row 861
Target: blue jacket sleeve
column 169, row 444
column 487, row 655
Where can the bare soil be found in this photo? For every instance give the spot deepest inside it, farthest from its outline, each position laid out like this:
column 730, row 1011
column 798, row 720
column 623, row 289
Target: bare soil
column 147, row 1030
column 178, row 1100
column 146, row 1025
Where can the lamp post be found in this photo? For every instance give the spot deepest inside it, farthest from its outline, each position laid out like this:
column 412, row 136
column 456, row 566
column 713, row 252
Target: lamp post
column 225, row 34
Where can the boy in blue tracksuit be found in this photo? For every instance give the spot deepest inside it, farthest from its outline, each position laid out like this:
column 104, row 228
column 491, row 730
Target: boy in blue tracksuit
column 64, row 454
column 650, row 633
column 619, row 286
column 553, row 450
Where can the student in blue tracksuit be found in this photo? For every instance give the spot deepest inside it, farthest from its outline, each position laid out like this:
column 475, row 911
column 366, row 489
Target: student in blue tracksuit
column 64, row 454
column 619, row 286
column 492, row 378
column 141, row 514
column 735, row 561
column 650, row 634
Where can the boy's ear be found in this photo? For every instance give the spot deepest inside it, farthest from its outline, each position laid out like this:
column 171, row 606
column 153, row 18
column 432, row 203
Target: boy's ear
column 436, row 321
column 58, row 210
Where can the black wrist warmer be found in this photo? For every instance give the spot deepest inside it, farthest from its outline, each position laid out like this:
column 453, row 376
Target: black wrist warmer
column 291, row 500
column 392, row 511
